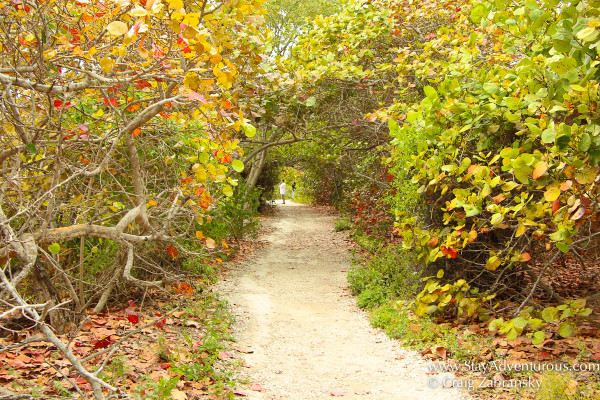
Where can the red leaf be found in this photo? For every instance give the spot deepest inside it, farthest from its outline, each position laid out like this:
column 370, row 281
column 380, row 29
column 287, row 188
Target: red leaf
column 389, row 178
column 131, row 303
column 172, row 251
column 160, row 324
column 452, row 252
column 132, row 316
column 102, row 343
column 142, row 84
column 165, row 366
column 58, row 103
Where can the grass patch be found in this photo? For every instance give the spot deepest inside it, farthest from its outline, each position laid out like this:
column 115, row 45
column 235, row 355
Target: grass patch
column 387, row 275
column 343, row 224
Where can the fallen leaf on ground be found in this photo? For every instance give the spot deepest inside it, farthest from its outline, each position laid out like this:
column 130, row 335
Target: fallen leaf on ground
column 256, row 387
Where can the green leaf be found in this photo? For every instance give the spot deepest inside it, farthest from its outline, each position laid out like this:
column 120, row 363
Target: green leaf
column 585, row 142
column 237, row 165
column 562, row 246
column 412, row 116
column 31, row 148
column 440, row 274
column 477, row 13
column 430, row 92
column 566, row 329
column 550, row 314
column 512, row 334
column 491, row 88
column 495, row 324
column 54, row 248
column 577, row 304
column 588, row 34
column 472, row 210
column 538, row 337
column 549, row 135
column 311, row 101
column 497, row 219
column 249, row 130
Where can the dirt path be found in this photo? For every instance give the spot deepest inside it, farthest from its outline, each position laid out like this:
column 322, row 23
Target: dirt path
column 309, row 340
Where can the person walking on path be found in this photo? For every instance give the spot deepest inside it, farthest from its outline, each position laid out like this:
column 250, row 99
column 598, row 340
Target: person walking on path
column 282, row 190
column 293, row 190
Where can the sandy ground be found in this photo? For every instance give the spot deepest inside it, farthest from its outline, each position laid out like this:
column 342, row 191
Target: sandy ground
column 308, row 339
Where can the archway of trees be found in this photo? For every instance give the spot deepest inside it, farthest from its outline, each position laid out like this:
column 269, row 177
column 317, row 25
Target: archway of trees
column 465, row 134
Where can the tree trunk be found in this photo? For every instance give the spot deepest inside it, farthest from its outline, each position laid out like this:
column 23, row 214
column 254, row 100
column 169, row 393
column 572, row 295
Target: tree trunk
column 256, row 169
column 48, row 293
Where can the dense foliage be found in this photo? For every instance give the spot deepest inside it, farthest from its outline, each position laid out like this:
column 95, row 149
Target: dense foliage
column 483, row 119
column 121, row 128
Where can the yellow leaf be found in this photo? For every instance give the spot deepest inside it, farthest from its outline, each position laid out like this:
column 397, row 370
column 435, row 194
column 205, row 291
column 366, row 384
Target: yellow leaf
column 493, row 263
column 176, row 4
column 199, row 235
column 189, row 32
column 107, row 64
column 151, row 203
column 552, row 193
column 210, row 243
column 117, row 28
column 175, row 393
column 138, row 12
column 227, row 191
column 49, row 54
column 113, row 209
column 520, row 230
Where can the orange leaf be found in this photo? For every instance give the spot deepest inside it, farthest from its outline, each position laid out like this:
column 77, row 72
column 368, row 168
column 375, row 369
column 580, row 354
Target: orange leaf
column 226, row 104
column 172, row 252
column 137, row 132
column 525, row 257
column 555, row 205
column 433, row 242
column 565, row 185
column 187, row 289
column 256, row 387
column 540, row 169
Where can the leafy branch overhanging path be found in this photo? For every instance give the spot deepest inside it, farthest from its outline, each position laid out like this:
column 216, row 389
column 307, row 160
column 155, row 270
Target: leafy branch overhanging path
column 307, row 337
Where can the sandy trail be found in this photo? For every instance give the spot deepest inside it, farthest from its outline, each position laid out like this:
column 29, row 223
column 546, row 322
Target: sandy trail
column 308, row 338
